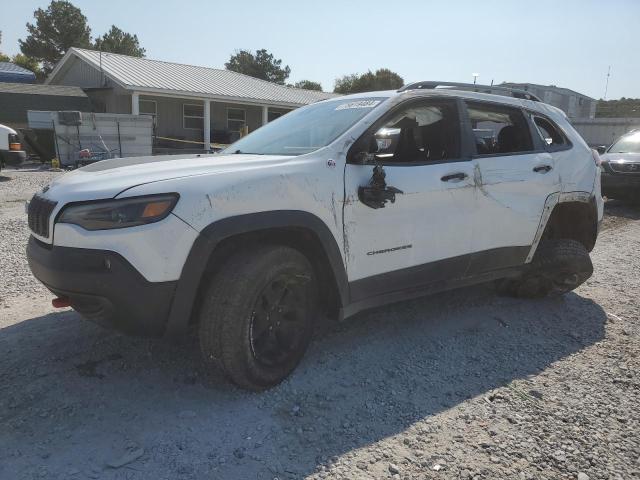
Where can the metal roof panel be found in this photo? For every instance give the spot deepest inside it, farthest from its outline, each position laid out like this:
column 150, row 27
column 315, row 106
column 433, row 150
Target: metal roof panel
column 144, row 73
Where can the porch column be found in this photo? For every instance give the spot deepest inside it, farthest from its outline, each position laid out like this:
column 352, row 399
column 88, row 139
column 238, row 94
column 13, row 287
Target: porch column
column 207, row 125
column 265, row 115
column 135, row 103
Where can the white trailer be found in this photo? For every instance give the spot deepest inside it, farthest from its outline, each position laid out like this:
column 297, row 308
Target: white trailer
column 85, row 137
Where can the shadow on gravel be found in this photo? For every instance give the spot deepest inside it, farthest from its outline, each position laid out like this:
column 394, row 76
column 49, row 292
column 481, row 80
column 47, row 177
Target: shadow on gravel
column 74, row 396
column 4, row 179
column 619, row 210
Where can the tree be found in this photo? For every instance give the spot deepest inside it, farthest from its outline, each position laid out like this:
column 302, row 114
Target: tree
column 625, row 107
column 382, row 79
column 3, row 57
column 261, row 65
column 58, row 28
column 117, row 41
column 29, row 63
column 308, row 85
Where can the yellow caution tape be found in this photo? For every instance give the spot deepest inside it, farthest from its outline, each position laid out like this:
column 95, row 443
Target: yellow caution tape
column 214, row 145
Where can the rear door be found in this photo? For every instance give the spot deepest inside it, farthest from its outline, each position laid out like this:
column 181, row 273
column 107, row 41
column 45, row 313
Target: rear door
column 515, row 175
column 424, row 236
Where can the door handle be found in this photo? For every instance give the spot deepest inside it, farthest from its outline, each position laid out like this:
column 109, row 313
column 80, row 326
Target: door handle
column 542, row 168
column 454, row 176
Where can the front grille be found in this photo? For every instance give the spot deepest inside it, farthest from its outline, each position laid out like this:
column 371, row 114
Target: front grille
column 625, row 167
column 39, row 213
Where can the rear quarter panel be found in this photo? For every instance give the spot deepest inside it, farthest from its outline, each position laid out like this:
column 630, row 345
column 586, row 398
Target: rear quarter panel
column 575, row 166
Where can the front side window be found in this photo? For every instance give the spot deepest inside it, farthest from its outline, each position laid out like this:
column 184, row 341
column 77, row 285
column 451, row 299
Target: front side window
column 629, row 143
column 499, row 130
column 427, row 132
column 306, row 129
column 193, row 116
column 550, row 133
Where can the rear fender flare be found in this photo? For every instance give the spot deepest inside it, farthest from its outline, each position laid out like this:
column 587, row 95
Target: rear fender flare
column 549, row 205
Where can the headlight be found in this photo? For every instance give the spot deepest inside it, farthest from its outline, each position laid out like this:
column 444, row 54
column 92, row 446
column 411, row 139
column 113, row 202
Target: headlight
column 125, row 212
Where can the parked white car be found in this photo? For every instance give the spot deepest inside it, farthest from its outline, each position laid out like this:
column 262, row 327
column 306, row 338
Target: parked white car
column 11, row 152
column 337, row 207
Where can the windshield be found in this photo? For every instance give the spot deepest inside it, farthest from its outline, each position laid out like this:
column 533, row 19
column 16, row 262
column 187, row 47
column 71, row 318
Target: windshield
column 305, row 129
column 626, row 144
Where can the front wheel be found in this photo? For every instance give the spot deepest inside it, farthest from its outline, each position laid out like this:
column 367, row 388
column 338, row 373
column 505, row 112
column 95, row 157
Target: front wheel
column 558, row 267
column 258, row 316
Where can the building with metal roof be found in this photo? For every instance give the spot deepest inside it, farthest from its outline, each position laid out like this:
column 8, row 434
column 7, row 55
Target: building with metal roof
column 574, row 104
column 18, row 98
column 187, row 102
column 10, row 72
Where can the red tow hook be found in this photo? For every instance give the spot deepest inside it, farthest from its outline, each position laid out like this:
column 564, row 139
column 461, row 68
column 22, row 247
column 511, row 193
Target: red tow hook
column 61, row 302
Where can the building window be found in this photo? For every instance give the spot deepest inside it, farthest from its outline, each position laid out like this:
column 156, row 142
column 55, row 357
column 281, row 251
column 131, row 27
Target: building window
column 149, row 107
column 236, row 119
column 273, row 114
column 193, row 116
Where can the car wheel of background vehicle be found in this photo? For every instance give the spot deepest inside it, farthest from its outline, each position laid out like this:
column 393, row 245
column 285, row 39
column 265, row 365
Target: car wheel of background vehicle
column 558, row 267
column 258, row 316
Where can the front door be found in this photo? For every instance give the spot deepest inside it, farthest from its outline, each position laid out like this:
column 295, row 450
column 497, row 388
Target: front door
column 424, row 236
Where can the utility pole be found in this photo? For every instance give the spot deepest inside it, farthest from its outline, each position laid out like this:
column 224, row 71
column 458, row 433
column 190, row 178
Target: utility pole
column 606, row 86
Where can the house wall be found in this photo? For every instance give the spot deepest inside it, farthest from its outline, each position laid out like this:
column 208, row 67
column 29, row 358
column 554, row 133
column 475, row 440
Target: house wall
column 170, row 119
column 80, row 74
column 110, row 100
column 14, row 106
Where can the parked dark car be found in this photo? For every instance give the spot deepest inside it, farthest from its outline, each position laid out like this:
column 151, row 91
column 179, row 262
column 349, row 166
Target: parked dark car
column 621, row 168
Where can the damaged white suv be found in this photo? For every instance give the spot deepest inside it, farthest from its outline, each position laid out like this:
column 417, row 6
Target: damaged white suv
column 336, row 207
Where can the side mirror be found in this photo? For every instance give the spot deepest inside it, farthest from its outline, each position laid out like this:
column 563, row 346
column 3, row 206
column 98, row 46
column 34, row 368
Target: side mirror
column 365, row 149
column 364, row 158
column 601, row 149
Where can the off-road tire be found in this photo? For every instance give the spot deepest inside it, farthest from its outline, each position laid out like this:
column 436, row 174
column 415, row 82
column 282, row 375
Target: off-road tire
column 558, row 267
column 229, row 308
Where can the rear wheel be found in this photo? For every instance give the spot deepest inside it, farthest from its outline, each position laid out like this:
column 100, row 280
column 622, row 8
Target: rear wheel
column 258, row 316
column 558, row 267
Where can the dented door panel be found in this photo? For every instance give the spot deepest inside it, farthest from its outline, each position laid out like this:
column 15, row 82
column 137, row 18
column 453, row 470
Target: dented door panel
column 511, row 193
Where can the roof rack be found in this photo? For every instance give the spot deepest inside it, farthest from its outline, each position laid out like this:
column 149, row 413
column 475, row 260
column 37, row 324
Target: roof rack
column 493, row 89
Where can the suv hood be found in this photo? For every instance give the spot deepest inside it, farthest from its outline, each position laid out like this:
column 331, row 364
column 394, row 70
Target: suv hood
column 621, row 157
column 108, row 178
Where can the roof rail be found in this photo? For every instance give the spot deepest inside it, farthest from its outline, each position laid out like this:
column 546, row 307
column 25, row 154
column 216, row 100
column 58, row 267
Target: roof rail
column 493, row 89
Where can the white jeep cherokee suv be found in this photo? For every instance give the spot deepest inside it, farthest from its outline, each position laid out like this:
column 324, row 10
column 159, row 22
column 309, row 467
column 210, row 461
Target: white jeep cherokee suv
column 336, row 207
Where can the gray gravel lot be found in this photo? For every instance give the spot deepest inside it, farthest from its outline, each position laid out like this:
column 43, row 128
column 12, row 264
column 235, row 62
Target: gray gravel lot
column 461, row 385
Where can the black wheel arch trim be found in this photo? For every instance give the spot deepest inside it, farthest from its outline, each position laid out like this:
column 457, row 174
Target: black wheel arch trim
column 210, row 237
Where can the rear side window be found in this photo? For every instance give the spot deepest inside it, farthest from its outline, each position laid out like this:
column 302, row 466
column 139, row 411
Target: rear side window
column 550, row 133
column 499, row 130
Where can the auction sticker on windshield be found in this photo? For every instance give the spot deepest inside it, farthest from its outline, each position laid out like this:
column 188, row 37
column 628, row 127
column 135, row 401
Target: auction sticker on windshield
column 358, row 104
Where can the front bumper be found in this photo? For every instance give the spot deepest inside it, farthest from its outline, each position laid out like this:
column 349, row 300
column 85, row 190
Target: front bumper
column 103, row 287
column 620, row 184
column 14, row 157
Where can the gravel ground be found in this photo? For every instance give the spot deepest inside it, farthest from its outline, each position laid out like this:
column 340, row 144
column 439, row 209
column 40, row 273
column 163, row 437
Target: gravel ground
column 462, row 385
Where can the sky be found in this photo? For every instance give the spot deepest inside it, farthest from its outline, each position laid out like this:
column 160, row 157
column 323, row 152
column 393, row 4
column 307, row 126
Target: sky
column 568, row 43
